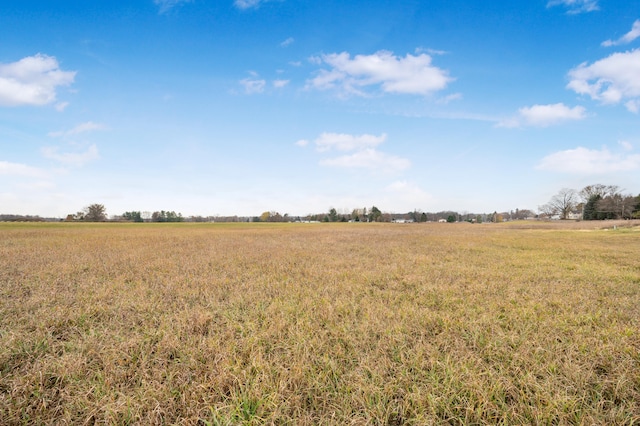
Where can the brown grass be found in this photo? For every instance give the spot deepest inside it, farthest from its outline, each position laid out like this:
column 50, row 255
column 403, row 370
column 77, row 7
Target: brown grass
column 319, row 324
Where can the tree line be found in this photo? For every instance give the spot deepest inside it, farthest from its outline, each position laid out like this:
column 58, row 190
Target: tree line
column 98, row 213
column 593, row 202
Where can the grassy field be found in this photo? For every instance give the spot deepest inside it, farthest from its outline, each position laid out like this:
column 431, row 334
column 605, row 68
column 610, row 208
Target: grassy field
column 214, row 324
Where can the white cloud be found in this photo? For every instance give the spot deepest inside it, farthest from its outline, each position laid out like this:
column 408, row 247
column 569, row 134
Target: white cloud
column 544, row 115
column 89, row 126
column 61, row 106
column 589, row 161
column 393, row 74
column 167, row 5
column 17, row 169
column 627, row 38
column 37, row 185
column 433, row 52
column 278, row 84
column 346, row 142
column 287, row 42
column 610, row 80
column 32, row 81
column 449, row 98
column 626, row 145
column 253, row 85
column 369, row 159
column 364, row 154
column 633, row 105
column 409, row 191
column 576, row 6
column 71, row 158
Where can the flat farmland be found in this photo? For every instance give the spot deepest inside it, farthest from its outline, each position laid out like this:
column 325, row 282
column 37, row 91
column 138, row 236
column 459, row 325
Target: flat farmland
column 303, row 324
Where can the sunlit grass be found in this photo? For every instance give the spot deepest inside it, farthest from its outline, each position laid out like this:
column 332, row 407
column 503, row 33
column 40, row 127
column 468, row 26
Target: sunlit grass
column 319, row 324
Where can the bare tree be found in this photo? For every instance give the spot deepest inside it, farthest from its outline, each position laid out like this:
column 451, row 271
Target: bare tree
column 561, row 204
column 598, row 189
column 617, row 205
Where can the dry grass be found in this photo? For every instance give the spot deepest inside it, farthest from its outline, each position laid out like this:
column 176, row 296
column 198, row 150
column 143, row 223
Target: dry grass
column 319, row 324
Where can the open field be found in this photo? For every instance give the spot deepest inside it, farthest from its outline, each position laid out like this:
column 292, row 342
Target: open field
column 319, row 324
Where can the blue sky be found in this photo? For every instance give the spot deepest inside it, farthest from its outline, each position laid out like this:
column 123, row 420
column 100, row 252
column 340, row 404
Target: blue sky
column 220, row 107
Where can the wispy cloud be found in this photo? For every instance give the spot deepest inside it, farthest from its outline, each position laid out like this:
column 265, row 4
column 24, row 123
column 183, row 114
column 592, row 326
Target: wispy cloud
column 89, row 126
column 627, row 38
column 279, row 84
column 16, row 169
column 347, row 142
column 61, row 106
column 287, row 42
column 166, row 5
column 76, row 159
column 590, row 161
column 610, row 80
column 409, row 193
column 253, row 85
column 369, row 159
column 544, row 115
column 32, row 81
column 363, row 152
column 576, row 6
column 450, row 98
column 249, row 4
column 392, row 74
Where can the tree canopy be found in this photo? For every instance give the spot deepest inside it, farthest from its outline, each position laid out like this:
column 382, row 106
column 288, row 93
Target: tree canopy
column 95, row 213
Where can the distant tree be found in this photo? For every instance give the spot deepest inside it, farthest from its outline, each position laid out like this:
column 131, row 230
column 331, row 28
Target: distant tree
column 375, row 215
column 598, row 189
column 417, row 216
column 264, row 217
column 617, row 206
column 451, row 218
column 590, row 211
column 132, row 216
column 276, row 217
column 561, row 204
column 635, row 214
column 95, row 213
column 166, row 216
column 333, row 215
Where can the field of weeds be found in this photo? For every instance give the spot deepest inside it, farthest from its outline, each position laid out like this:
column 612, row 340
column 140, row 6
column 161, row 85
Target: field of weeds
column 305, row 324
